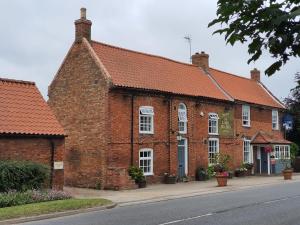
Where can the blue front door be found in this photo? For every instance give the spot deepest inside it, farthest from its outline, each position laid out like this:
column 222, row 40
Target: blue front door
column 264, row 161
column 181, row 158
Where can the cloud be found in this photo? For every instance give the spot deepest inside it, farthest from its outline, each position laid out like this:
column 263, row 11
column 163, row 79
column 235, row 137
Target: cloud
column 35, row 36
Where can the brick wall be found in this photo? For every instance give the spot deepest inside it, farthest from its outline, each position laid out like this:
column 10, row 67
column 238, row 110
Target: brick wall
column 36, row 150
column 164, row 140
column 78, row 98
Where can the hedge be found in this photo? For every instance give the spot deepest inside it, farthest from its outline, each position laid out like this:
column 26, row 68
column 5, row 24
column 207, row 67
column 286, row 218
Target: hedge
column 22, row 175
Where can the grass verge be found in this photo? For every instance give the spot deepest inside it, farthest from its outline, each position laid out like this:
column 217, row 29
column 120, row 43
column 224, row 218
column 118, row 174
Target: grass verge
column 49, row 207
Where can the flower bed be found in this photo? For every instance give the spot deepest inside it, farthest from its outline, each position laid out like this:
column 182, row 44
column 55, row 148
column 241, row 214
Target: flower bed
column 13, row 198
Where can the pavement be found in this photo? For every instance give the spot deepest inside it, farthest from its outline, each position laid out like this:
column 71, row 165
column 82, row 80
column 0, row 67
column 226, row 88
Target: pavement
column 161, row 192
column 275, row 203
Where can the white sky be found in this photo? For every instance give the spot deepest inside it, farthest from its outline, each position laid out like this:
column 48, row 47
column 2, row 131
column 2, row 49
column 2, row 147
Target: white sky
column 36, row 35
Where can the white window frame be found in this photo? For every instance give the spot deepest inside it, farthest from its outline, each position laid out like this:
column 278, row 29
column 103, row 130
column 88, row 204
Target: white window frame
column 247, row 149
column 282, row 152
column 146, row 158
column 182, row 118
column 275, row 119
column 149, row 114
column 210, row 160
column 246, row 117
column 213, row 117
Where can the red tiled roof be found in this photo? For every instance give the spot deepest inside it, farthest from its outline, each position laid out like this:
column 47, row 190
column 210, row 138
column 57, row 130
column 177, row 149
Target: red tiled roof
column 244, row 89
column 24, row 111
column 139, row 70
column 265, row 138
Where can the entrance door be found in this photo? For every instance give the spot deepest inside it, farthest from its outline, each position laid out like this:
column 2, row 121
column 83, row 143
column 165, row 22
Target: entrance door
column 182, row 158
column 264, row 160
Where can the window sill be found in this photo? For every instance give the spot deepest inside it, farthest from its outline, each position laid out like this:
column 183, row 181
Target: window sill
column 213, row 133
column 149, row 174
column 246, row 126
column 146, row 132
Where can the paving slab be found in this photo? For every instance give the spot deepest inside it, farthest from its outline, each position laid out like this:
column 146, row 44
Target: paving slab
column 160, row 192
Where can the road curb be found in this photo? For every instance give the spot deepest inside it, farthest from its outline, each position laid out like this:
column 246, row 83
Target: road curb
column 55, row 215
column 194, row 194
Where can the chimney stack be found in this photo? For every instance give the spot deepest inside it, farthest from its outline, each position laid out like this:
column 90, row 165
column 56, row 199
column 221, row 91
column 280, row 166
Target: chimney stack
column 201, row 60
column 255, row 74
column 82, row 27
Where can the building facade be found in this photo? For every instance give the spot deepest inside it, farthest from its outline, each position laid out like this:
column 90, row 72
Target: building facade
column 121, row 107
column 29, row 130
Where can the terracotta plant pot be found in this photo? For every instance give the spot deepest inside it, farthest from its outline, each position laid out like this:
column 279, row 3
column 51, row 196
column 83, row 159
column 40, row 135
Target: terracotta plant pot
column 287, row 174
column 222, row 180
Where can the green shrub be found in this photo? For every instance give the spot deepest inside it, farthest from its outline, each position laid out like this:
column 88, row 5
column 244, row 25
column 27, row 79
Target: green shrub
column 22, row 175
column 136, row 173
column 13, row 198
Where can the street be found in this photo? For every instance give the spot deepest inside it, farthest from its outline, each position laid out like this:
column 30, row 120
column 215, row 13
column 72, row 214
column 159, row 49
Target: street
column 270, row 205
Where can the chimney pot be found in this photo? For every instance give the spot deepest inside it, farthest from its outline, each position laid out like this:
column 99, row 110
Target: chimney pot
column 255, row 74
column 82, row 27
column 201, row 60
column 83, row 13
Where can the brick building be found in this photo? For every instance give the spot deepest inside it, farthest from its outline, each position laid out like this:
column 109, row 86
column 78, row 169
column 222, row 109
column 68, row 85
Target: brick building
column 29, row 129
column 121, row 107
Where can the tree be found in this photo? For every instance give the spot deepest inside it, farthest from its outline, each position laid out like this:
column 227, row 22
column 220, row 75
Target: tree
column 293, row 105
column 273, row 25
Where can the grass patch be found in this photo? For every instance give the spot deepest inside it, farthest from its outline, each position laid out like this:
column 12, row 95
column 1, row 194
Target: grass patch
column 49, row 207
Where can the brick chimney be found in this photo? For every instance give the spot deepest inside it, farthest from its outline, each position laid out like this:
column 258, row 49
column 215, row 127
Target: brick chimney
column 82, row 27
column 255, row 74
column 201, row 60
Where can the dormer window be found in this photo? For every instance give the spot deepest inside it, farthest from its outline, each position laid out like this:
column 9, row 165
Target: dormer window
column 182, row 119
column 213, row 123
column 246, row 115
column 146, row 120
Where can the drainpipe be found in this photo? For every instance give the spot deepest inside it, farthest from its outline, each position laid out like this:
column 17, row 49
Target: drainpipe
column 52, row 162
column 170, row 130
column 131, row 128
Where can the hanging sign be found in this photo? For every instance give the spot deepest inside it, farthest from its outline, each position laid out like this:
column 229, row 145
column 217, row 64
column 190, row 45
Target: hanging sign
column 287, row 122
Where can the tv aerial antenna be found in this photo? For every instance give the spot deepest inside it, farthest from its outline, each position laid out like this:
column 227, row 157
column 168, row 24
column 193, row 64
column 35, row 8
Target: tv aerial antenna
column 188, row 38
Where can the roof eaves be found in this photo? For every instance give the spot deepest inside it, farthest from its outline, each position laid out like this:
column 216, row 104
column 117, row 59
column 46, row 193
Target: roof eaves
column 115, row 86
column 271, row 95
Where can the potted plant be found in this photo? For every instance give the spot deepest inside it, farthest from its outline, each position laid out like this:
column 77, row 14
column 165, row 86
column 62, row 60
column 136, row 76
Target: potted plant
column 249, row 167
column 201, row 174
column 240, row 172
column 137, row 175
column 288, row 170
column 220, row 168
column 170, row 178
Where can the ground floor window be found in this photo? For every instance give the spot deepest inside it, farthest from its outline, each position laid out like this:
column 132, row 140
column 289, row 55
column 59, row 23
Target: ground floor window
column 282, row 152
column 213, row 149
column 247, row 151
column 146, row 161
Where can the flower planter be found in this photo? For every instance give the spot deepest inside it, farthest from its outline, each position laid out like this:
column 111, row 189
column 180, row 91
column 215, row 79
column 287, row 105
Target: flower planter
column 222, row 180
column 170, row 179
column 142, row 184
column 238, row 173
column 287, row 174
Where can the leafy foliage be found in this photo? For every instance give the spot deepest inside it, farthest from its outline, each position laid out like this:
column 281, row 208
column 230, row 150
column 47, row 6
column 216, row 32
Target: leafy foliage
column 293, row 105
column 13, row 198
column 294, row 151
column 22, row 175
column 266, row 24
column 136, row 173
column 221, row 163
